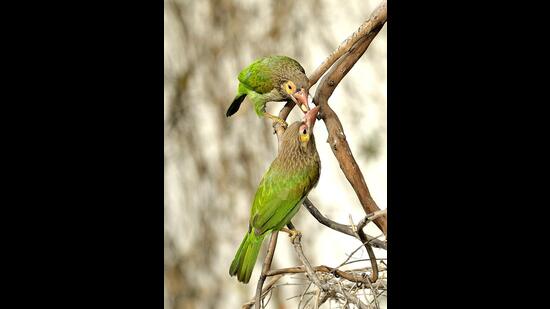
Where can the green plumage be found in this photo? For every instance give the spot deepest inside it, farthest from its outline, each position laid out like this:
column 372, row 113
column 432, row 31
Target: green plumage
column 282, row 190
column 262, row 82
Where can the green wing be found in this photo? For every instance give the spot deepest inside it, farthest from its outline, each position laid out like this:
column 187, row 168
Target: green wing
column 277, row 200
column 258, row 76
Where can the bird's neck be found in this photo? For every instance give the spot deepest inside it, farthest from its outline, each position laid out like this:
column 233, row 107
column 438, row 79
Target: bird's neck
column 293, row 157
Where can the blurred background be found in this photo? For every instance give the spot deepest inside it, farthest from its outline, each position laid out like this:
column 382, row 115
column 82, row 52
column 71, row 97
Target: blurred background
column 213, row 164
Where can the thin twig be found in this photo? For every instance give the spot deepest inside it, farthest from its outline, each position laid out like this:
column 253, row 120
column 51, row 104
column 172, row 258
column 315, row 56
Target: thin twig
column 266, row 289
column 349, row 275
column 370, row 252
column 349, row 256
column 303, row 293
column 317, row 298
column 375, row 296
column 283, row 114
column 366, row 260
column 266, row 267
column 351, row 298
column 298, row 247
column 372, row 258
column 371, row 217
column 342, row 228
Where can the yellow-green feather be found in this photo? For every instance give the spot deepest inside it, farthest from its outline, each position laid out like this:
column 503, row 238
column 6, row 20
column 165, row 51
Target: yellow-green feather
column 245, row 258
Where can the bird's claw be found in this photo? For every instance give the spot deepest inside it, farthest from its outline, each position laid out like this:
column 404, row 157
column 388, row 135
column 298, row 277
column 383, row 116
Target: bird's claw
column 283, row 123
column 277, row 119
column 292, row 234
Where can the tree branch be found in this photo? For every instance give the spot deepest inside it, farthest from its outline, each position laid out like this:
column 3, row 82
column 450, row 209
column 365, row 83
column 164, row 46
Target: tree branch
column 337, row 138
column 350, row 275
column 342, row 228
column 378, row 16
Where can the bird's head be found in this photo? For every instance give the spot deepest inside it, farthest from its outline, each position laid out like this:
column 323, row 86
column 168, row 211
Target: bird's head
column 298, row 138
column 297, row 90
column 303, row 130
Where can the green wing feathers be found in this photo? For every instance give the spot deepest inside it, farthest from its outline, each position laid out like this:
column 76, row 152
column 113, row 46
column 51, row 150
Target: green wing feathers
column 258, row 76
column 278, row 199
column 245, row 259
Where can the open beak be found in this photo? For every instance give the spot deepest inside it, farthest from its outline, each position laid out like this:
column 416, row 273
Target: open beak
column 311, row 116
column 300, row 98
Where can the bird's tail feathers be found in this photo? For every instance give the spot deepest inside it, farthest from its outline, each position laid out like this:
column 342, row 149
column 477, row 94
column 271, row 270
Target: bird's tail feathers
column 245, row 259
column 234, row 107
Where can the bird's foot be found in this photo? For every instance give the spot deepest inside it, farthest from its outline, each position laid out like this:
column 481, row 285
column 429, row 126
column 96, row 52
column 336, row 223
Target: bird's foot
column 292, row 233
column 275, row 118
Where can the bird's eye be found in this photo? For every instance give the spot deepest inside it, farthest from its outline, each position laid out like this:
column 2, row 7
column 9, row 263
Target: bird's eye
column 304, row 137
column 289, row 87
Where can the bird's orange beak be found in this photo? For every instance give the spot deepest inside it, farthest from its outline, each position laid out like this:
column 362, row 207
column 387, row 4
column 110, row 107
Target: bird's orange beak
column 311, row 116
column 301, row 100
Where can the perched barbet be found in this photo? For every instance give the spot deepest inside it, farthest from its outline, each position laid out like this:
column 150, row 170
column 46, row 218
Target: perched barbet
column 283, row 188
column 271, row 79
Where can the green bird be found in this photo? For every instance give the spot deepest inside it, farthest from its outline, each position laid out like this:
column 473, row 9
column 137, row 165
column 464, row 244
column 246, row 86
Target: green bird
column 283, row 188
column 271, row 79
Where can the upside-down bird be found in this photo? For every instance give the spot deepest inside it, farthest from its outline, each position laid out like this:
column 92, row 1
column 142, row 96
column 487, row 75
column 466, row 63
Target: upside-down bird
column 271, row 79
column 283, row 188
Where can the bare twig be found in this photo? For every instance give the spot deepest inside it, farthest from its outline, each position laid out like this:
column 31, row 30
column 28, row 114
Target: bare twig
column 371, row 217
column 351, row 298
column 266, row 267
column 358, row 230
column 375, row 296
column 378, row 16
column 304, row 293
column 342, row 228
column 283, row 114
column 351, row 254
column 350, row 275
column 317, row 298
column 298, row 247
column 265, row 290
column 364, row 260
column 370, row 252
column 325, row 297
